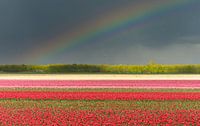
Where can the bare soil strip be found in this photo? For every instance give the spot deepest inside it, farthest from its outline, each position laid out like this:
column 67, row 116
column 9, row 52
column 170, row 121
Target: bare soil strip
column 99, row 77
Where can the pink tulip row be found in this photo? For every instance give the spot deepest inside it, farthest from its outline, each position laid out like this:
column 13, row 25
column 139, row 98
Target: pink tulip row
column 102, row 83
column 101, row 95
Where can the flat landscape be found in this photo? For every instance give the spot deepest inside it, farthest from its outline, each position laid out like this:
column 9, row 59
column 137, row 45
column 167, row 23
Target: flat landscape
column 99, row 63
column 99, row 99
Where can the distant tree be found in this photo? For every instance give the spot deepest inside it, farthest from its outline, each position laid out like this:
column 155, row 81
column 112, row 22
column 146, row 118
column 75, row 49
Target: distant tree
column 152, row 62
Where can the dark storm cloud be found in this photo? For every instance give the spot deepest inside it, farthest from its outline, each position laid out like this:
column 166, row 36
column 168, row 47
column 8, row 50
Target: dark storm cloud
column 166, row 28
column 24, row 24
column 25, row 19
column 22, row 19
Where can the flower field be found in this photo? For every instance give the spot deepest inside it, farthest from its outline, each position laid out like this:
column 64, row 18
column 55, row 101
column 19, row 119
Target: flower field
column 55, row 117
column 99, row 102
column 101, row 83
column 100, row 95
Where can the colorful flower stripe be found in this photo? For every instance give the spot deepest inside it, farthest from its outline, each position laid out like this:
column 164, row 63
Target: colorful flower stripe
column 101, row 95
column 102, row 83
column 62, row 117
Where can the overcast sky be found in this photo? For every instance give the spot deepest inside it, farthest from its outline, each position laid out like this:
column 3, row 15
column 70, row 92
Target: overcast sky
column 173, row 37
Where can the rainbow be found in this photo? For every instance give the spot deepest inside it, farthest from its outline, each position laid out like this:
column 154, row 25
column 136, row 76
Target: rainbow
column 134, row 15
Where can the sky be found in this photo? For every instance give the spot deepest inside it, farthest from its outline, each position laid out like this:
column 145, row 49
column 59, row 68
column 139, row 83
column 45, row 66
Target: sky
column 99, row 31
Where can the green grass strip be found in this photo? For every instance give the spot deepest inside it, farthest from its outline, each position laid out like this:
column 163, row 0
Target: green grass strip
column 100, row 89
column 102, row 105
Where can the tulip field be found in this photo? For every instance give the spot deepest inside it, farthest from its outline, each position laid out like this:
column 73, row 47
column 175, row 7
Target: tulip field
column 99, row 102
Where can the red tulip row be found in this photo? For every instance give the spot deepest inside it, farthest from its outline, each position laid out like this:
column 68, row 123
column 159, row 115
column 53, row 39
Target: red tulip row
column 64, row 117
column 101, row 95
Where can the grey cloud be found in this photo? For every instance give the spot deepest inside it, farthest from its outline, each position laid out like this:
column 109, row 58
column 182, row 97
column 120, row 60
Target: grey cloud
column 24, row 24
